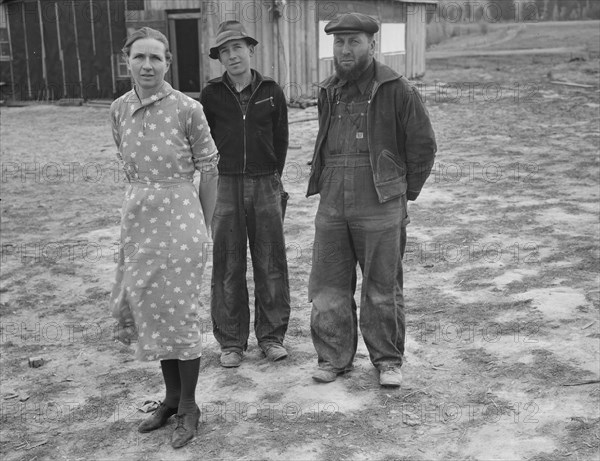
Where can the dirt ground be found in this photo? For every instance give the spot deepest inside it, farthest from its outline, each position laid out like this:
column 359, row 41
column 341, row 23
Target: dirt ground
column 502, row 290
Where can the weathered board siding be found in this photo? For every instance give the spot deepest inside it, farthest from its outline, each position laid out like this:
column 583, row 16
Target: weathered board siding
column 287, row 49
column 172, row 4
column 415, row 43
column 288, row 44
column 64, row 49
column 412, row 63
column 7, row 89
column 58, row 49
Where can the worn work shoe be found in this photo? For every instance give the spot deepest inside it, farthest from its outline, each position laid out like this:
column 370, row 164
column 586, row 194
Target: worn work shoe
column 390, row 377
column 231, row 359
column 275, row 352
column 158, row 418
column 322, row 375
column 326, row 375
column 186, row 428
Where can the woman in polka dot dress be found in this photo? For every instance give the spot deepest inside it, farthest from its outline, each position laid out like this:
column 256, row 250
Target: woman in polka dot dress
column 163, row 137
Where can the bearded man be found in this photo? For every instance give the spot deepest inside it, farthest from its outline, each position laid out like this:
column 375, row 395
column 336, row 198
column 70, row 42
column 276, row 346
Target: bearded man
column 374, row 150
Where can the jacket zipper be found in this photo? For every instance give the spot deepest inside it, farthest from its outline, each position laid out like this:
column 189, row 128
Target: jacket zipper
column 244, row 115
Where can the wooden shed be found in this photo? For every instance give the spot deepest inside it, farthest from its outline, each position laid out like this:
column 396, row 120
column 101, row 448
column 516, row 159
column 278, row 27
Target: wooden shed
column 292, row 45
column 70, row 48
column 53, row 49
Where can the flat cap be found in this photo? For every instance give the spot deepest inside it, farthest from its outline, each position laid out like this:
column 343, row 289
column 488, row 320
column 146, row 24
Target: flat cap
column 352, row 23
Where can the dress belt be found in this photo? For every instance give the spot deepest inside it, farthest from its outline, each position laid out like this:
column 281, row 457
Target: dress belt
column 160, row 183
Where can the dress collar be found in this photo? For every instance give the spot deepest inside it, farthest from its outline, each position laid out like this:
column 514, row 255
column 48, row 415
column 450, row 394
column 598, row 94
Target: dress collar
column 163, row 91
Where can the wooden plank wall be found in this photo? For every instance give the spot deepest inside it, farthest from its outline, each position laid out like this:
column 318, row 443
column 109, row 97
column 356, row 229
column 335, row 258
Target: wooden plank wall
column 64, row 49
column 8, row 89
column 157, row 19
column 385, row 11
column 394, row 60
column 171, row 4
column 412, row 64
column 288, row 45
column 299, row 25
column 415, row 42
column 287, row 49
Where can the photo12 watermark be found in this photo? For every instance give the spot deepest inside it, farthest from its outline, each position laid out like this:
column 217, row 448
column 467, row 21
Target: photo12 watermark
column 490, row 172
column 433, row 252
column 472, row 11
column 65, row 172
column 457, row 413
column 109, row 411
column 449, row 332
column 472, row 92
column 19, row 333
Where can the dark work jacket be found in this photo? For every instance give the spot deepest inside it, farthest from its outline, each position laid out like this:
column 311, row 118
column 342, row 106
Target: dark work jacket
column 254, row 144
column 401, row 140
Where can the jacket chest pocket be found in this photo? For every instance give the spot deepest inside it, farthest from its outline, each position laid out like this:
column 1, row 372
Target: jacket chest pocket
column 261, row 112
column 265, row 101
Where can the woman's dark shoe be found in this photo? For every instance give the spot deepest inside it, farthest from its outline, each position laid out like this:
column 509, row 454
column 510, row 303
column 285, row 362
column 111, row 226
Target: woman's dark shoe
column 157, row 419
column 186, row 428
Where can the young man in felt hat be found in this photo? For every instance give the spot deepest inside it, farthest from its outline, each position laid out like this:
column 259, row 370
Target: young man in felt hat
column 374, row 150
column 247, row 114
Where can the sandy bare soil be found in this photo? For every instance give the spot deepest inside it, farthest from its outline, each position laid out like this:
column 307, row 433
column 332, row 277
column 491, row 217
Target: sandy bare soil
column 502, row 293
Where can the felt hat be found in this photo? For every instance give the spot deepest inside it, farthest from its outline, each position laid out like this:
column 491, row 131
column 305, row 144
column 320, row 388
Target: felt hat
column 230, row 30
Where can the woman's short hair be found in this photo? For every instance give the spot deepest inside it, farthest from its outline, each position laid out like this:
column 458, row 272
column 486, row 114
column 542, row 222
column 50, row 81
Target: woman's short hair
column 147, row 32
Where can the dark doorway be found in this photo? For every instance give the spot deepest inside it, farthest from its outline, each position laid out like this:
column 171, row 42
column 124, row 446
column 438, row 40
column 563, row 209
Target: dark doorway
column 188, row 55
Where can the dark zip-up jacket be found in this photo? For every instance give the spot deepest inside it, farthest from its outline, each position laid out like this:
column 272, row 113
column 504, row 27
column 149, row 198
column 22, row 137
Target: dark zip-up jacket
column 255, row 143
column 401, row 140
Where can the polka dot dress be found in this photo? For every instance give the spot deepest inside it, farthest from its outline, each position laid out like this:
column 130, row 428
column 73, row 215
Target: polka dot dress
column 162, row 140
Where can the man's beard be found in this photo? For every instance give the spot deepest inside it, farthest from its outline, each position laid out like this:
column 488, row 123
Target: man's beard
column 355, row 71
